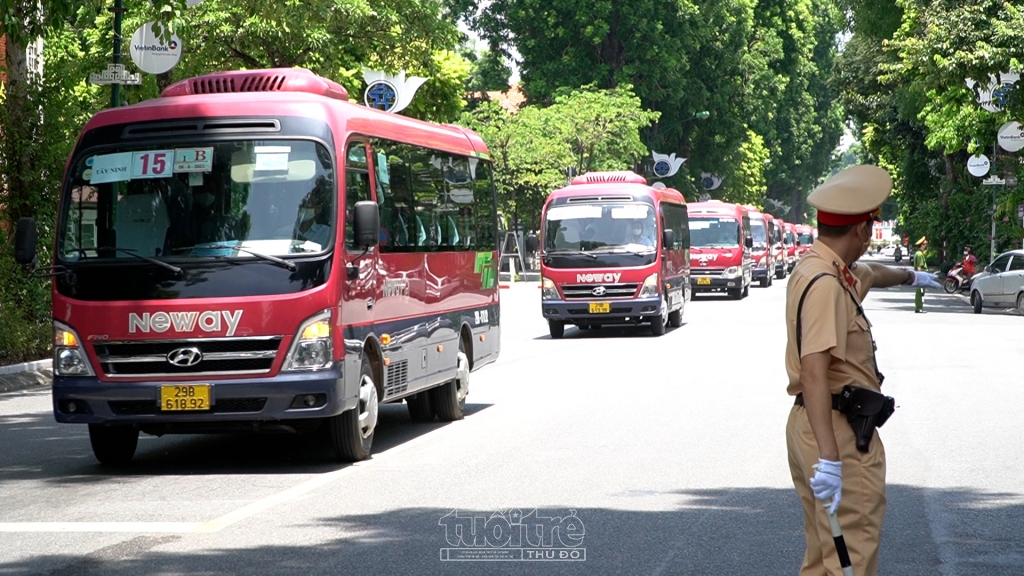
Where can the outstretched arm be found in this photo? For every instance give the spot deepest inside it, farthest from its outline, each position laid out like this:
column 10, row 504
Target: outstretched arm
column 886, row 276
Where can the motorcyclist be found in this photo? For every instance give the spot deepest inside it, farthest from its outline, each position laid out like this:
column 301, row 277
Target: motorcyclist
column 969, row 262
column 898, row 254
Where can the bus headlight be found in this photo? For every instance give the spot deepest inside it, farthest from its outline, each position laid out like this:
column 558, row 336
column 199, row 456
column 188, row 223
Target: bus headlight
column 650, row 287
column 69, row 357
column 548, row 290
column 731, row 272
column 312, row 349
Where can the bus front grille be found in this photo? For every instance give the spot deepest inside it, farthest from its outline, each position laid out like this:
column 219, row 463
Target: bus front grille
column 192, row 357
column 598, row 291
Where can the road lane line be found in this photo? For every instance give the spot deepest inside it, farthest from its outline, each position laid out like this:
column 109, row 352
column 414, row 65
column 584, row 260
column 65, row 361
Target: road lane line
column 170, row 527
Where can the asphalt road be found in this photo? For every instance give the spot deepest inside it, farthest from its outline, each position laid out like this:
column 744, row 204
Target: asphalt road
column 670, row 451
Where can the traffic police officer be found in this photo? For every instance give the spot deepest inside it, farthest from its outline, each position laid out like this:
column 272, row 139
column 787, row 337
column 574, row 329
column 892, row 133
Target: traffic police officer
column 833, row 349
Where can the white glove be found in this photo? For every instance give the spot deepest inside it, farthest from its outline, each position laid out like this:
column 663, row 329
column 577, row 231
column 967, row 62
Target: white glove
column 827, row 483
column 924, row 280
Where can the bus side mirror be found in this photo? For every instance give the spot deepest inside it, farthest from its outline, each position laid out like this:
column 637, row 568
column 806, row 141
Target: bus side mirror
column 668, row 239
column 366, row 224
column 748, row 242
column 25, row 242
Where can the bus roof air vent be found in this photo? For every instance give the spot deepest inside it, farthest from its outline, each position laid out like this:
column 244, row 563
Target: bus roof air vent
column 270, row 80
column 620, row 177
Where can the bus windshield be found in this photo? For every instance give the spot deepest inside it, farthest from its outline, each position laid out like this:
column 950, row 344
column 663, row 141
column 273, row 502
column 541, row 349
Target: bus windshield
column 600, row 228
column 714, row 231
column 760, row 234
column 806, row 239
column 240, row 199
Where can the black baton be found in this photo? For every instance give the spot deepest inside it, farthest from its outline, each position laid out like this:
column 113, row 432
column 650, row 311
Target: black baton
column 837, row 537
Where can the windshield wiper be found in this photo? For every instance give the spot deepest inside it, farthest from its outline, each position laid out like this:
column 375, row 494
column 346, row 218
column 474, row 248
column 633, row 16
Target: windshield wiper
column 573, row 252
column 135, row 253
column 624, row 250
column 280, row 262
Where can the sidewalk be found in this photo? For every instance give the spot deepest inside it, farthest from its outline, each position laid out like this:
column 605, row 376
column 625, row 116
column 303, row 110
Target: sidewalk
column 16, row 377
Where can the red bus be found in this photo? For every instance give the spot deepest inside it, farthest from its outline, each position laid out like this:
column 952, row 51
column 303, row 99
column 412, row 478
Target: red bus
column 615, row 251
column 789, row 231
column 252, row 251
column 721, row 247
column 761, row 253
column 804, row 239
column 778, row 254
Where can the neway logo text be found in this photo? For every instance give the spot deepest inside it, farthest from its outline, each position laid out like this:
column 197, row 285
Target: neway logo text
column 705, row 257
column 184, row 321
column 611, row 277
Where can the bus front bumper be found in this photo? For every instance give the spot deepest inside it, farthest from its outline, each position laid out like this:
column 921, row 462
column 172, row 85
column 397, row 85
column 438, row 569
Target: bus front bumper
column 88, row 400
column 715, row 283
column 619, row 311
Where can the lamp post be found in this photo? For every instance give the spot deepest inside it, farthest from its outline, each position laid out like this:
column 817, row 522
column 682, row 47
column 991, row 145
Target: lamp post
column 115, row 88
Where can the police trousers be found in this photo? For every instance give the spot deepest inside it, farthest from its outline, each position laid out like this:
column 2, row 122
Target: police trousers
column 861, row 508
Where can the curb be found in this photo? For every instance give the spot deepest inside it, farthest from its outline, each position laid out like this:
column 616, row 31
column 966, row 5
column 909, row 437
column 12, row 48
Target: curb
column 38, row 374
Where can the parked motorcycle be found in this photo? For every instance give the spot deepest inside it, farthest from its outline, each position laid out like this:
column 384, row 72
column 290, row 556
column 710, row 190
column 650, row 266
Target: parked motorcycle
column 956, row 280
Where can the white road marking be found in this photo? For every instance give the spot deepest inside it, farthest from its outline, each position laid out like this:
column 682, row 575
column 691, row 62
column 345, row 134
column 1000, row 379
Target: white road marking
column 170, row 527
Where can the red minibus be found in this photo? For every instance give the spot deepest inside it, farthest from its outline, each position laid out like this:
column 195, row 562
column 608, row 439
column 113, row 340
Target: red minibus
column 252, row 251
column 761, row 253
column 720, row 248
column 789, row 230
column 778, row 254
column 615, row 251
column 804, row 239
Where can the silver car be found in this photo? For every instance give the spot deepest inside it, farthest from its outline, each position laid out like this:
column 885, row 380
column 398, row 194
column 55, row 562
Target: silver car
column 1001, row 284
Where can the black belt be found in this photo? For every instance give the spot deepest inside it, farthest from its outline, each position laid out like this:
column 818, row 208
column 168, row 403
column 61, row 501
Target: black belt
column 836, row 400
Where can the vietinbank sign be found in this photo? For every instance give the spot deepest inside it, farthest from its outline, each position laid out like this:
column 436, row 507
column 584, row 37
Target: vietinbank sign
column 151, row 54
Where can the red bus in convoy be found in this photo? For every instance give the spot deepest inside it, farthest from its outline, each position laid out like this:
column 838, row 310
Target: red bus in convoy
column 615, row 251
column 789, row 231
column 761, row 253
column 804, row 239
column 778, row 253
column 721, row 243
column 252, row 251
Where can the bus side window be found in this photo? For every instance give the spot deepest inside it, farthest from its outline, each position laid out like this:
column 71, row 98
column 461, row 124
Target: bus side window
column 357, row 186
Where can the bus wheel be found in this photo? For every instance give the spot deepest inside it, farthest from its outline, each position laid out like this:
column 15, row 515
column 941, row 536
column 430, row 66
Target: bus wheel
column 352, row 430
column 420, row 407
column 764, row 281
column 746, row 291
column 675, row 318
column 450, row 398
column 113, row 445
column 735, row 293
column 557, row 329
column 781, row 272
column 658, row 322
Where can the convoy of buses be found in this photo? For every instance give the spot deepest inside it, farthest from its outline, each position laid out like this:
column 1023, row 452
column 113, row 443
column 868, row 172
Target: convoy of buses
column 617, row 250
column 252, row 251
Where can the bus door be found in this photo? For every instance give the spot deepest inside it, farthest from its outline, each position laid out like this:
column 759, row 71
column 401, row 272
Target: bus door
column 360, row 278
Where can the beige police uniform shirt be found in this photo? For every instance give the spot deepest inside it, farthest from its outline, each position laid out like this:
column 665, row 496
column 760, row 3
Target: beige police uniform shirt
column 830, row 320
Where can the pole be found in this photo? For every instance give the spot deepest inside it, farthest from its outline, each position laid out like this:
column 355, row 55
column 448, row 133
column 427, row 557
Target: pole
column 992, row 242
column 115, row 88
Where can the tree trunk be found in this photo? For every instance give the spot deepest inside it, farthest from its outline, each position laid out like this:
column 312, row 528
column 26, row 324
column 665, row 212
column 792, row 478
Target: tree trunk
column 19, row 135
column 164, row 80
column 950, row 180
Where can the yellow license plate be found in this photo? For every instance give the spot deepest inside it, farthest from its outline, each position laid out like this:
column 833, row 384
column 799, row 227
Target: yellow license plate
column 600, row 307
column 175, row 398
column 702, row 281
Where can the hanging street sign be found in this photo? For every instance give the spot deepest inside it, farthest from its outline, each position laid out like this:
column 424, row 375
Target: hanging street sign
column 710, row 181
column 390, row 93
column 993, row 180
column 978, row 165
column 115, row 74
column 992, row 95
column 666, row 165
column 1011, row 136
column 150, row 53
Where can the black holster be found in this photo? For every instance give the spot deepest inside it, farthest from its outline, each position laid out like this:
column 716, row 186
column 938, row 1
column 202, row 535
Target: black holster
column 865, row 410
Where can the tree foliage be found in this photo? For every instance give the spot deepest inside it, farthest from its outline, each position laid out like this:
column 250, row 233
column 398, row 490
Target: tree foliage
column 584, row 130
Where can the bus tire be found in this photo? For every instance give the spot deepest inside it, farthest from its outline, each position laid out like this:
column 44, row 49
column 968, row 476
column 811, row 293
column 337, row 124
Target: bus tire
column 764, row 281
column 675, row 318
column 352, row 430
column 735, row 293
column 556, row 329
column 421, row 409
column 658, row 322
column 113, row 445
column 449, row 399
column 746, row 291
column 781, row 272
